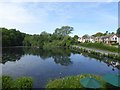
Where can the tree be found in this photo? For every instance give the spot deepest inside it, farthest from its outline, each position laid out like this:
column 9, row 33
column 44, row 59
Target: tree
column 44, row 33
column 118, row 30
column 12, row 37
column 113, row 33
column 64, row 30
column 98, row 34
column 85, row 36
column 106, row 33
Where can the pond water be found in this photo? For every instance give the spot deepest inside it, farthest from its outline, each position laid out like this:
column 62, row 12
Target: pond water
column 43, row 64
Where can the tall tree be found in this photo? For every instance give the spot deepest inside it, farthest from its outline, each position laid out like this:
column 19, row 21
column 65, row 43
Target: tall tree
column 64, row 30
column 118, row 30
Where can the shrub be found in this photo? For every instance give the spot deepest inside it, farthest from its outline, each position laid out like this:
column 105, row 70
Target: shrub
column 7, row 82
column 23, row 83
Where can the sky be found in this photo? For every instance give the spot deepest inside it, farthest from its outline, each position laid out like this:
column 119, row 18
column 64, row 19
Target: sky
column 33, row 17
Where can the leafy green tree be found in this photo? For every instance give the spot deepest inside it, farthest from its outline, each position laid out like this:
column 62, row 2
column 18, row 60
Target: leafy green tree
column 106, row 32
column 85, row 36
column 12, row 37
column 75, row 39
column 118, row 31
column 64, row 30
column 98, row 34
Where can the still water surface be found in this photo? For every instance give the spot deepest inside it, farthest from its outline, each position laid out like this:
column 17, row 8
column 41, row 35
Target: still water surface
column 43, row 65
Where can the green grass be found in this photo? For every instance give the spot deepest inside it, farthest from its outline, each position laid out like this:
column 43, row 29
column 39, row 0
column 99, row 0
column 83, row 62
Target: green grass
column 100, row 46
column 24, row 83
column 72, row 82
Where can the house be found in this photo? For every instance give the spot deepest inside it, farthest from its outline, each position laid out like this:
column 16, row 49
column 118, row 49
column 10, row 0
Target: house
column 110, row 39
column 113, row 39
column 86, row 39
column 98, row 39
column 91, row 39
column 80, row 39
column 105, row 39
column 118, row 39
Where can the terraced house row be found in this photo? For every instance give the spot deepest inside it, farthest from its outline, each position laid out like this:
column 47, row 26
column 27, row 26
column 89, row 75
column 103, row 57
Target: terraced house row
column 108, row 39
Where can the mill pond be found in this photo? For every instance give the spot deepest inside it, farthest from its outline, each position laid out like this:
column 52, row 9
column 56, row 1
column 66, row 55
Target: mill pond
column 46, row 64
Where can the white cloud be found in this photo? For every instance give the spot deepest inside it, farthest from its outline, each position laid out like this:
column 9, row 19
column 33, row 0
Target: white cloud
column 14, row 13
column 17, row 15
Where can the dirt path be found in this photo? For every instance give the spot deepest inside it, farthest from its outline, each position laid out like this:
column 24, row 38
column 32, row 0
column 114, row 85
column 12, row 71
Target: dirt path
column 96, row 50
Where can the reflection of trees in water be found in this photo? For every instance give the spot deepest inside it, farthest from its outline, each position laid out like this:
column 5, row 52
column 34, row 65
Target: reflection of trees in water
column 60, row 55
column 11, row 54
column 109, row 62
column 62, row 60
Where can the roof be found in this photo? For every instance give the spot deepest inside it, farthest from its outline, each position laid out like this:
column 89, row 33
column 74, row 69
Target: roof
column 88, row 37
column 118, row 35
column 107, row 36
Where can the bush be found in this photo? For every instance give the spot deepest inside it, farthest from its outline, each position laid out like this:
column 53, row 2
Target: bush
column 23, row 82
column 7, row 82
column 20, row 83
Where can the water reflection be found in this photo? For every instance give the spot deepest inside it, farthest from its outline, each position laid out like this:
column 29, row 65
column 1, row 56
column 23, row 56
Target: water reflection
column 60, row 55
column 109, row 62
column 11, row 54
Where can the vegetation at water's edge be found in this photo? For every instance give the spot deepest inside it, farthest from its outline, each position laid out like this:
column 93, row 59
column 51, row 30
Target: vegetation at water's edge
column 100, row 46
column 73, row 82
column 94, row 54
column 19, row 83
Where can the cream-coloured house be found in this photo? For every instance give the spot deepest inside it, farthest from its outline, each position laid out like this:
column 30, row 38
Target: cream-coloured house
column 92, row 39
column 86, row 39
column 118, row 39
column 110, row 39
column 80, row 39
column 98, row 39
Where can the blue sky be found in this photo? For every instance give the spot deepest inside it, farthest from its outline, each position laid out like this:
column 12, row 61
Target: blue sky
column 35, row 17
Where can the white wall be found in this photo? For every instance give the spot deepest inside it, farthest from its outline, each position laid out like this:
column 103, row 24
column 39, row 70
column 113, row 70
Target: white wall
column 119, row 40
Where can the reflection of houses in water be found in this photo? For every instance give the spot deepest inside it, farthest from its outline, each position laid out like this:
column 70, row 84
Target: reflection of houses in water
column 113, row 64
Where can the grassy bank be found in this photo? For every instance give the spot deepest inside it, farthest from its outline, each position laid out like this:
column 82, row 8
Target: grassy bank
column 95, row 54
column 100, row 46
column 72, row 82
column 25, row 83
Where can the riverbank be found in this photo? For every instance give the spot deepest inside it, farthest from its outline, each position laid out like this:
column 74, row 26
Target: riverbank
column 96, row 50
column 100, row 46
column 98, row 53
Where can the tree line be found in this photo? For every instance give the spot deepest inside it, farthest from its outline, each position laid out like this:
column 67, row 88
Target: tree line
column 60, row 37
